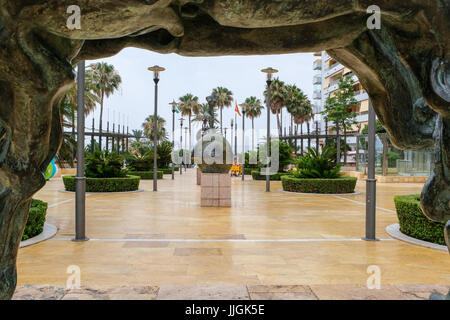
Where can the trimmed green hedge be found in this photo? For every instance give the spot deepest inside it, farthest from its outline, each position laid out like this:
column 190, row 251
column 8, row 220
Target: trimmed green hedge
column 256, row 175
column 326, row 186
column 128, row 183
column 147, row 175
column 169, row 170
column 36, row 219
column 414, row 223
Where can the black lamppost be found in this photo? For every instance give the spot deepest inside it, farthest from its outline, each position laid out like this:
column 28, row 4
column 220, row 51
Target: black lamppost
column 156, row 70
column 186, row 146
column 269, row 72
column 174, row 108
column 181, row 144
column 231, row 138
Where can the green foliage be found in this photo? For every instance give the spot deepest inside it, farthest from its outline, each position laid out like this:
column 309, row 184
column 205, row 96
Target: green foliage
column 169, row 170
column 147, row 175
column 103, row 164
column 164, row 151
column 256, row 175
column 338, row 107
column 327, row 186
column 414, row 223
column 285, row 153
column 318, row 165
column 378, row 128
column 149, row 128
column 36, row 219
column 392, row 158
column 127, row 183
column 247, row 164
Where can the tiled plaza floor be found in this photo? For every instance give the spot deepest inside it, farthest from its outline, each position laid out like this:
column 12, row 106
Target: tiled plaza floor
column 165, row 243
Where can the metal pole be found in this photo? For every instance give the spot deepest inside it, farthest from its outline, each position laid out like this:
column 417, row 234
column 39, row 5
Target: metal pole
column 235, row 134
column 173, row 140
column 243, row 143
column 301, row 140
column 317, row 136
column 155, row 138
column 181, row 146
column 371, row 181
column 126, row 140
column 107, row 137
column 92, row 136
column 269, row 83
column 118, row 139
column 80, row 187
column 112, row 138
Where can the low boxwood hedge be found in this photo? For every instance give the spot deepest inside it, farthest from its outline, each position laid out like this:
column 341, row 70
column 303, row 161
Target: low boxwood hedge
column 414, row 223
column 326, row 186
column 169, row 170
column 36, row 219
column 147, row 175
column 256, row 175
column 248, row 171
column 128, row 183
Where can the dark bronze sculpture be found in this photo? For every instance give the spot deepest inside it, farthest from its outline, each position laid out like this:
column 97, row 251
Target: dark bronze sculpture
column 405, row 67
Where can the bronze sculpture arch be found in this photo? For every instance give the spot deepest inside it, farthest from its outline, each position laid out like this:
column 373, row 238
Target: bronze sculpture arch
column 405, row 67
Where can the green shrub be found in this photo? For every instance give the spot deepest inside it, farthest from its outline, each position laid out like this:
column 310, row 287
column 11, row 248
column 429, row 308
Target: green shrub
column 103, row 164
column 169, row 170
column 284, row 151
column 318, row 165
column 127, row 183
column 327, row 186
column 36, row 219
column 256, row 175
column 414, row 223
column 248, row 171
column 147, row 175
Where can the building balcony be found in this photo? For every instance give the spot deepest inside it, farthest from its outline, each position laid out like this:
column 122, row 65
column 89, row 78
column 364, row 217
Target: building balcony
column 317, row 79
column 317, row 95
column 333, row 69
column 361, row 95
column 331, row 88
column 317, row 65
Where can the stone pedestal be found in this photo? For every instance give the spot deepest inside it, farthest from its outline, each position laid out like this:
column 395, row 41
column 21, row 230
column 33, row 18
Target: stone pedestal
column 199, row 176
column 216, row 190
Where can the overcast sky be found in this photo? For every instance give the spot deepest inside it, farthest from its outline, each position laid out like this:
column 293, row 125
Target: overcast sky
column 240, row 74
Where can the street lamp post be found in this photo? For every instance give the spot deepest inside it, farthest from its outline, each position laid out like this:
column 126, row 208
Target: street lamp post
column 181, row 145
column 156, row 70
column 231, row 138
column 186, row 145
column 174, row 105
column 269, row 72
column 244, row 109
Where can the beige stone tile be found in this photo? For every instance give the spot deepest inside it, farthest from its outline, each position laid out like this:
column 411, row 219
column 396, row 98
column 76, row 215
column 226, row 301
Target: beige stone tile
column 218, row 292
column 282, row 296
column 357, row 292
column 197, row 252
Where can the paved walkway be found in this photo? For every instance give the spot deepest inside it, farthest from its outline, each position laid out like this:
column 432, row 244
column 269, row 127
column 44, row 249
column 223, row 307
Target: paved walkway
column 160, row 239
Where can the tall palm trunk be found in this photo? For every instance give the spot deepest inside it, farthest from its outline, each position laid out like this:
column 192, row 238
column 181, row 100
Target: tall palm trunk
column 101, row 120
column 278, row 123
column 221, row 108
column 253, row 133
column 190, row 133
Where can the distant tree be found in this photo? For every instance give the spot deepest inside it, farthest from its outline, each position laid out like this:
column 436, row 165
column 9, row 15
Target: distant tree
column 138, row 134
column 278, row 95
column 338, row 108
column 105, row 81
column 224, row 99
column 148, row 127
column 189, row 105
column 253, row 110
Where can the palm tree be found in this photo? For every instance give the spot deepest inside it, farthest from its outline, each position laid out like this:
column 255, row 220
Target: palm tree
column 278, row 96
column 105, row 81
column 253, row 110
column 148, row 127
column 202, row 115
column 137, row 134
column 188, row 106
column 224, row 99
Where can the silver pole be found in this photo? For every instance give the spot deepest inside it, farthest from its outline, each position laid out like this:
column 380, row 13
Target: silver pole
column 80, row 179
column 269, row 83
column 173, row 140
column 243, row 143
column 371, row 182
column 155, row 138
